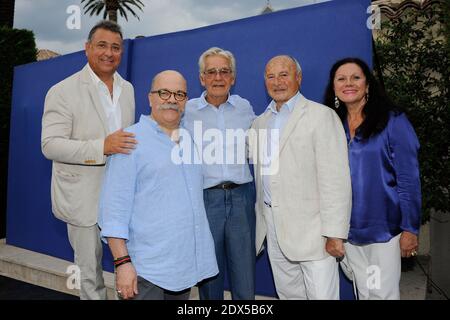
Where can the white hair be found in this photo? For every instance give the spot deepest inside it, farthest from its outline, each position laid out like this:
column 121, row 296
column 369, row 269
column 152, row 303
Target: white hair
column 215, row 51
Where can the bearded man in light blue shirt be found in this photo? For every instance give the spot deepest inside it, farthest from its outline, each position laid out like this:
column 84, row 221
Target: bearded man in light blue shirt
column 151, row 207
column 218, row 122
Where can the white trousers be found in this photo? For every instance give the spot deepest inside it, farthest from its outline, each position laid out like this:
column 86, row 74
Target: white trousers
column 88, row 251
column 300, row 280
column 376, row 269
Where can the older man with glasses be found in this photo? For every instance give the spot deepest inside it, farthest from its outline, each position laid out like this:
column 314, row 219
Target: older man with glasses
column 218, row 121
column 151, row 209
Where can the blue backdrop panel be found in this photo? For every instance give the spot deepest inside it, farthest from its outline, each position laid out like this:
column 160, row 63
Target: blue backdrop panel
column 316, row 35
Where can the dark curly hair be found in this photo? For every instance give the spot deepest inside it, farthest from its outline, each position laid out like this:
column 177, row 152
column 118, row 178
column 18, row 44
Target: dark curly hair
column 375, row 111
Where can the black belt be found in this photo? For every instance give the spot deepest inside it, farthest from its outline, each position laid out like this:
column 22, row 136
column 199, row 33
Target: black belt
column 225, row 186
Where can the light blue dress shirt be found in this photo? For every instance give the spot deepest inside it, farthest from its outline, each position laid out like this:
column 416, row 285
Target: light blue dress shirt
column 277, row 121
column 235, row 113
column 157, row 206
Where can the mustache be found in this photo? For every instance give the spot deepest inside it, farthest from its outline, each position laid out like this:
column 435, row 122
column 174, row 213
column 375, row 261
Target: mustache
column 169, row 106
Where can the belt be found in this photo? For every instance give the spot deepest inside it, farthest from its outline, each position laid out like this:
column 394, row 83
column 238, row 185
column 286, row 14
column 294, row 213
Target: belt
column 225, row 186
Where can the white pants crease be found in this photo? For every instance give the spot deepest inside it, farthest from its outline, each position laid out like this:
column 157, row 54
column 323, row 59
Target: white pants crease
column 300, row 280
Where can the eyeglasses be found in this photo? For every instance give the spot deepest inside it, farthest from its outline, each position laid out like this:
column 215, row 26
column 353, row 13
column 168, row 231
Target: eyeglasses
column 212, row 73
column 166, row 94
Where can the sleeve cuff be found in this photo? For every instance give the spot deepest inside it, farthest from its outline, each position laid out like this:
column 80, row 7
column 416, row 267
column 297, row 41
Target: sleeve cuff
column 110, row 231
column 335, row 231
column 99, row 147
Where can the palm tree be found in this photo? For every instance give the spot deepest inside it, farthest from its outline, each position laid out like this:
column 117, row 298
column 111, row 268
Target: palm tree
column 110, row 8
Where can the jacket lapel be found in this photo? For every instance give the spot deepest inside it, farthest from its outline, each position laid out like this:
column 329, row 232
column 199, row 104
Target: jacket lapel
column 124, row 103
column 125, row 107
column 297, row 113
column 95, row 99
column 264, row 119
column 262, row 139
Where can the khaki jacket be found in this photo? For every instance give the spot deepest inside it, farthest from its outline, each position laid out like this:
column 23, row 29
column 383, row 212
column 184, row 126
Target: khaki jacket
column 310, row 181
column 74, row 127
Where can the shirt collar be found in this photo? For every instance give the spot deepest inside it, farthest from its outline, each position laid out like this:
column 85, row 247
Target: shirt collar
column 203, row 103
column 146, row 118
column 290, row 104
column 357, row 135
column 97, row 80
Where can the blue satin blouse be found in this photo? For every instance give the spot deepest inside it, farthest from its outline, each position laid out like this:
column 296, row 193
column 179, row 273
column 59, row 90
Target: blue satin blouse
column 385, row 182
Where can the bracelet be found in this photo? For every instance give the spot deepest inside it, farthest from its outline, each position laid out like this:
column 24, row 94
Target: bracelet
column 122, row 260
column 121, row 263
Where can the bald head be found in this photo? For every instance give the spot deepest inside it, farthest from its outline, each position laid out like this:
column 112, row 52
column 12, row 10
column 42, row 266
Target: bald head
column 282, row 78
column 288, row 60
column 168, row 75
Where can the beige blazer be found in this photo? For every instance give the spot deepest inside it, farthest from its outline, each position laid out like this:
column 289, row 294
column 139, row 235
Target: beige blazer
column 310, row 181
column 74, row 127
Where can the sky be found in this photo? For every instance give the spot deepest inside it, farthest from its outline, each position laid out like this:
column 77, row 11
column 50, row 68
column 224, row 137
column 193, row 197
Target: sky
column 48, row 19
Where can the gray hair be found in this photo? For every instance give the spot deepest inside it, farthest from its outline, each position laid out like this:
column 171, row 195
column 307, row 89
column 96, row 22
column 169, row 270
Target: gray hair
column 298, row 68
column 106, row 25
column 297, row 65
column 215, row 51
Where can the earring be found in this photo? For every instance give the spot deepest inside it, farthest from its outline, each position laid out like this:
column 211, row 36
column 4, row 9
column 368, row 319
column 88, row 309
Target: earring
column 336, row 102
column 367, row 97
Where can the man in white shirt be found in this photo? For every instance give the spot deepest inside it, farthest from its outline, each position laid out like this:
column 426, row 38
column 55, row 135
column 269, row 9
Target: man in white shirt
column 82, row 124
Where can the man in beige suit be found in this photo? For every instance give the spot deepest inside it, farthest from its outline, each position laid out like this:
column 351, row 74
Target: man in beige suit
column 82, row 124
column 303, row 186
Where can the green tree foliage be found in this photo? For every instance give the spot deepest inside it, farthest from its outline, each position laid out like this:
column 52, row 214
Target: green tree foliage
column 16, row 47
column 110, row 8
column 414, row 55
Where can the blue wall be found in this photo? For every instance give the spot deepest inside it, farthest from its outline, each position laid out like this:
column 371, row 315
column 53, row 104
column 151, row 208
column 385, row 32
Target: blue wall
column 316, row 35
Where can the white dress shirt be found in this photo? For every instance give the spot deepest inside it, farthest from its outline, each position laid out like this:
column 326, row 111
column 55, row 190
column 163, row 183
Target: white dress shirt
column 277, row 121
column 110, row 104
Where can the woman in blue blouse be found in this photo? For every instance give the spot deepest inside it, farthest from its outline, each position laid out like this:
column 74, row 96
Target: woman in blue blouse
column 382, row 148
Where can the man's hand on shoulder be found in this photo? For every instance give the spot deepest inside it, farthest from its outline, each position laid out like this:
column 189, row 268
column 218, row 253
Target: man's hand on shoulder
column 119, row 142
